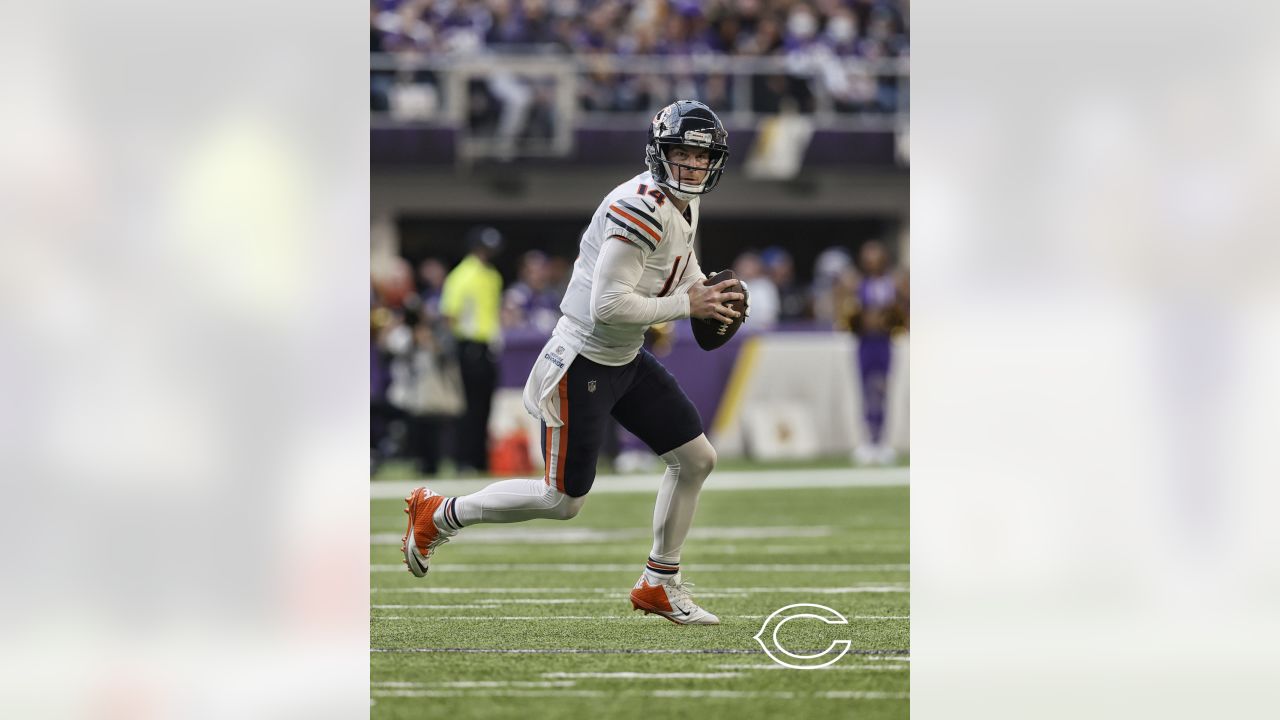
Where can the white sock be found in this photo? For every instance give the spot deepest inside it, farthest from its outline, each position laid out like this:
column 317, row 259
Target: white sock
column 509, row 501
column 687, row 467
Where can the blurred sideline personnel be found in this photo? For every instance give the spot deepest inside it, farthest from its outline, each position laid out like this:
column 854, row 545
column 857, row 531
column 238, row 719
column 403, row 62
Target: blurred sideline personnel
column 472, row 303
column 635, row 268
column 874, row 317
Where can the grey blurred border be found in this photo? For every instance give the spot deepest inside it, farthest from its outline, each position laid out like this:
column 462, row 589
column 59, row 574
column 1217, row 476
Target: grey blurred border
column 184, row 225
column 1095, row 344
column 183, row 199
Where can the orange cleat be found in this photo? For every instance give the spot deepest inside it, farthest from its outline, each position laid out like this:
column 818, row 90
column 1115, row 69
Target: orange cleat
column 422, row 536
column 670, row 600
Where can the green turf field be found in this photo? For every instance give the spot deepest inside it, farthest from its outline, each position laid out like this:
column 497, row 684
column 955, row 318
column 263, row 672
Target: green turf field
column 558, row 592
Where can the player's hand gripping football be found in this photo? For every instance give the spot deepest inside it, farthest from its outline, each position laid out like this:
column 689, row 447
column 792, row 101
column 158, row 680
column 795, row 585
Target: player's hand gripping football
column 711, row 302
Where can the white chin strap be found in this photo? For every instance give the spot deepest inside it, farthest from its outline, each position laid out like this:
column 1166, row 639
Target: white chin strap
column 683, row 191
column 679, row 194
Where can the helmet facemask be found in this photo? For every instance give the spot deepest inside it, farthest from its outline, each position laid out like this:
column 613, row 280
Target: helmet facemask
column 671, row 170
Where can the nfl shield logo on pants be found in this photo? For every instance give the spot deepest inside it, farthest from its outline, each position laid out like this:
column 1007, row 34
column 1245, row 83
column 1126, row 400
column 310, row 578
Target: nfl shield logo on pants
column 591, row 386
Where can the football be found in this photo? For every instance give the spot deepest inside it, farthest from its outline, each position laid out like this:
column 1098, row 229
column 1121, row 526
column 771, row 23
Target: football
column 711, row 334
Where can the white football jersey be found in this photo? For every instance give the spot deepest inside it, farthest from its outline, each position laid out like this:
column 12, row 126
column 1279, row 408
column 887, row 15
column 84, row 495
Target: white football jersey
column 639, row 211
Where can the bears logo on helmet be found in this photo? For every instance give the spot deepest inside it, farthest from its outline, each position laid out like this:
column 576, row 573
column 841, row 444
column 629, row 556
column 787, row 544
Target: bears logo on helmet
column 686, row 122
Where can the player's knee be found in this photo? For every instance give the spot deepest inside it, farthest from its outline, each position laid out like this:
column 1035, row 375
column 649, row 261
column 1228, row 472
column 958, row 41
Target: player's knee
column 570, row 506
column 698, row 458
column 561, row 506
column 707, row 461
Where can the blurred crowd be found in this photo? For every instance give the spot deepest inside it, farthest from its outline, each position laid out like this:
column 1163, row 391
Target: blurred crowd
column 436, row 334
column 810, row 34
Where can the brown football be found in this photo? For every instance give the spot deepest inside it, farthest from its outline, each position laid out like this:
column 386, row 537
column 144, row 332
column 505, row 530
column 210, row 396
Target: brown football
column 711, row 334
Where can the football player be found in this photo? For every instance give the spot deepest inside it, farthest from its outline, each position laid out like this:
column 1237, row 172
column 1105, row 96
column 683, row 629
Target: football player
column 635, row 268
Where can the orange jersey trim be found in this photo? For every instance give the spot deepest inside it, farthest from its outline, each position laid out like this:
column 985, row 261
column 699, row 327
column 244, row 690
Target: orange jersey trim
column 640, row 224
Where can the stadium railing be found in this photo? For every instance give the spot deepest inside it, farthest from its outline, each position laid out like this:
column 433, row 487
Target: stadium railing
column 529, row 105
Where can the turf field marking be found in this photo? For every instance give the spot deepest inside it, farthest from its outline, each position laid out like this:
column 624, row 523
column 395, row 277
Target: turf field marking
column 615, row 592
column 492, row 603
column 488, row 693
column 780, row 694
column 709, row 548
column 728, row 694
column 553, row 601
column 506, row 683
column 545, row 617
column 740, row 480
column 858, row 667
column 643, row 676
column 622, row 567
column 862, row 695
column 432, row 618
column 609, row 651
column 723, row 694
column 487, row 606
column 476, row 684
column 573, row 536
column 855, row 617
column 714, row 549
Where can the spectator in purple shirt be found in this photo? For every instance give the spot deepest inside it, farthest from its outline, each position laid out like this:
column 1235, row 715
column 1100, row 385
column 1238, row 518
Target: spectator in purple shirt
column 531, row 302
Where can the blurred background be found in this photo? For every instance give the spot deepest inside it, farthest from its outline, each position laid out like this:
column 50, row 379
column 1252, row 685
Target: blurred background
column 513, row 118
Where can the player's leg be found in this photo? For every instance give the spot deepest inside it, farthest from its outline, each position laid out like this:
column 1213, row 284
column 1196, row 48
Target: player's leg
column 687, row 467
column 570, row 451
column 656, row 410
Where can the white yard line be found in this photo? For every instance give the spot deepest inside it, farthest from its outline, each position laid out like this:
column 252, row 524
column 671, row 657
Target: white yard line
column 433, row 618
column 477, row 684
column 855, row 617
column 627, row 567
column 861, row 695
column 622, row 593
column 494, row 603
column 842, row 665
column 488, row 693
column 643, row 676
column 724, row 694
column 881, row 617
column 743, row 480
column 570, row 535
column 595, row 651
column 491, row 603
column 486, row 606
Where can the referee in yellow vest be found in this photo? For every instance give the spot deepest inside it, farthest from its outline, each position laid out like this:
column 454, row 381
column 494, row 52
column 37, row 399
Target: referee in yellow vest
column 471, row 301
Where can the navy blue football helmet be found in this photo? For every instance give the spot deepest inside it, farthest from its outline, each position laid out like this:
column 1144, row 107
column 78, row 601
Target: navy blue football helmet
column 686, row 122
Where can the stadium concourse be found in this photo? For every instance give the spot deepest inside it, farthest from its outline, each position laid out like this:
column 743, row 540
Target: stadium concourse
column 532, row 620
